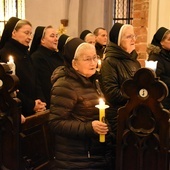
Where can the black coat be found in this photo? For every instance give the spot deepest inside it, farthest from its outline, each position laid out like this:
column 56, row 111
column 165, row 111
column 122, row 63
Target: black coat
column 28, row 89
column 45, row 61
column 162, row 70
column 117, row 67
column 100, row 49
column 73, row 103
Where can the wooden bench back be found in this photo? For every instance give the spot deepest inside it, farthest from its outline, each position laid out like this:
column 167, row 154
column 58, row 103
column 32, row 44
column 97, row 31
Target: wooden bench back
column 143, row 127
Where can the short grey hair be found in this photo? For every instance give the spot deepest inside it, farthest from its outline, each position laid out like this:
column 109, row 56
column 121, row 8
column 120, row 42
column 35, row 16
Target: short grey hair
column 82, row 48
column 21, row 23
column 45, row 29
column 122, row 31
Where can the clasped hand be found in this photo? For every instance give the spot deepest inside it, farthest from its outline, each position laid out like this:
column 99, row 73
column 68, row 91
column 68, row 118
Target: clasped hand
column 39, row 106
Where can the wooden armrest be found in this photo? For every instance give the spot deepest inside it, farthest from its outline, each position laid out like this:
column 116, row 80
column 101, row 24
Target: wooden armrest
column 35, row 120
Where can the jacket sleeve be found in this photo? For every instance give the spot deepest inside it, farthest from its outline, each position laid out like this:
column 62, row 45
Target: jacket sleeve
column 42, row 76
column 110, row 80
column 27, row 104
column 160, row 70
column 63, row 101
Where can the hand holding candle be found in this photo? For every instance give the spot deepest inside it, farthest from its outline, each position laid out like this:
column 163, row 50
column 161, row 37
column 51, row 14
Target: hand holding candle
column 11, row 64
column 102, row 108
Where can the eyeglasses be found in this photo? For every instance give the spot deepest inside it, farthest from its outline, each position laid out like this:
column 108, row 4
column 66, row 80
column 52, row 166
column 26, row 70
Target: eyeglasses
column 89, row 59
column 130, row 36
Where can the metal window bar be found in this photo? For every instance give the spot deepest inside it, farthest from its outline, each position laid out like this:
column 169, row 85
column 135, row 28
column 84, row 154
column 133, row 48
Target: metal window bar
column 122, row 11
column 10, row 8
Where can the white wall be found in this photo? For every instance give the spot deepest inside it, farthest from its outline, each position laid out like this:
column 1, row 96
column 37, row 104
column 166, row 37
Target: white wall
column 43, row 13
column 89, row 14
column 92, row 14
column 82, row 14
column 159, row 16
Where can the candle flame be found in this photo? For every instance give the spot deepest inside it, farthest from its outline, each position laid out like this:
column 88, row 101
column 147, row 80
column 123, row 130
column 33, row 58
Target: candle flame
column 101, row 102
column 11, row 60
column 99, row 61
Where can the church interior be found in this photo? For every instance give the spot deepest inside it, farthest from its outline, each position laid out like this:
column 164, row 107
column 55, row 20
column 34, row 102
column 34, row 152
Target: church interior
column 143, row 126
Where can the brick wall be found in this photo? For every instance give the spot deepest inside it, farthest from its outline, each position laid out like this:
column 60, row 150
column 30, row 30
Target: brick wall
column 140, row 23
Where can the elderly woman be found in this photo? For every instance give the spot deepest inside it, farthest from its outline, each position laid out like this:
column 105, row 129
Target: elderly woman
column 159, row 50
column 76, row 124
column 88, row 37
column 18, row 35
column 45, row 58
column 120, row 64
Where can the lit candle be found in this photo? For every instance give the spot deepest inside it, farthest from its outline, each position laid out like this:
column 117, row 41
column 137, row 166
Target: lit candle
column 11, row 64
column 102, row 108
column 99, row 62
column 151, row 64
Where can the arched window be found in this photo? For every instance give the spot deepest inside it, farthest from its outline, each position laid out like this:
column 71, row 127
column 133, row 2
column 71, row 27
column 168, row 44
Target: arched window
column 122, row 11
column 11, row 8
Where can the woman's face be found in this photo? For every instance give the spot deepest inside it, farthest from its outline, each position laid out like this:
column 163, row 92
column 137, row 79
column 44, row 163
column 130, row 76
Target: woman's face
column 127, row 41
column 166, row 42
column 23, row 35
column 90, row 39
column 86, row 63
column 50, row 39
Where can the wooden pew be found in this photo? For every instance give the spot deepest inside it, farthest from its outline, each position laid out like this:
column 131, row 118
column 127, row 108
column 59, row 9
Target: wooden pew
column 22, row 146
column 9, row 119
column 34, row 141
column 143, row 127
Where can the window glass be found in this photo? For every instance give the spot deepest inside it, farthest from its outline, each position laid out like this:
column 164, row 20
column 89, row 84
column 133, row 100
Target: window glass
column 11, row 8
column 122, row 11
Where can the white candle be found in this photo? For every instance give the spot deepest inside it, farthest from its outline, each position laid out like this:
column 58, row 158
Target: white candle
column 11, row 64
column 101, row 108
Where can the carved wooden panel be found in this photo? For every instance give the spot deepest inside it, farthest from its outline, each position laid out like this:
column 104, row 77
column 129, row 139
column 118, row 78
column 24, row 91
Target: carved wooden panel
column 143, row 128
column 9, row 120
column 23, row 146
column 34, row 141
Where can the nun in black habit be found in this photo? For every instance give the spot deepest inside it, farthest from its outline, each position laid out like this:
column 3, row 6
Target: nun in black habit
column 45, row 57
column 15, row 42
